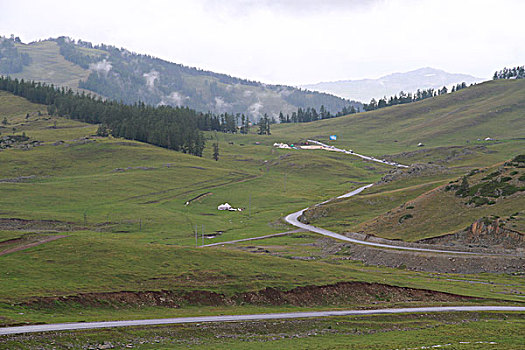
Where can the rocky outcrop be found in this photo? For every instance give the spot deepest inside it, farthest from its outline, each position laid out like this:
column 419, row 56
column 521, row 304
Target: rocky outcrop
column 18, row 142
column 483, row 233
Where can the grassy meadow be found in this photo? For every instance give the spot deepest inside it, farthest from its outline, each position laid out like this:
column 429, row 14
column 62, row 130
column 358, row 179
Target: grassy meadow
column 49, row 66
column 122, row 204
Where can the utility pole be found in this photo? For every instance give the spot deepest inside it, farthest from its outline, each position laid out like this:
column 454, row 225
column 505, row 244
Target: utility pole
column 250, row 206
column 196, row 237
column 203, row 234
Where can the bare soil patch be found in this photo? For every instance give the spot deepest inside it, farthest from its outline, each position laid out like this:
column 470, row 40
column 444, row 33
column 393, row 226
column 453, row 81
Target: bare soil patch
column 429, row 262
column 10, row 224
column 343, row 293
column 25, row 242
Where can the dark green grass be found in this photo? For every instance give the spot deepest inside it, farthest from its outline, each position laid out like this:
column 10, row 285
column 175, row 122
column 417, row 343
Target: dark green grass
column 449, row 331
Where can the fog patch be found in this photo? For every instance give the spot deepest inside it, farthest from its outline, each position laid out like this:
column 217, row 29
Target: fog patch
column 174, row 99
column 101, row 67
column 255, row 109
column 247, row 93
column 150, row 78
column 221, row 105
column 285, row 92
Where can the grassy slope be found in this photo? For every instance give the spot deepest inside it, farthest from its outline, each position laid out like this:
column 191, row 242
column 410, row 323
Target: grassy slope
column 49, row 66
column 492, row 109
column 441, row 212
column 146, row 207
column 348, row 215
column 435, row 212
column 76, row 179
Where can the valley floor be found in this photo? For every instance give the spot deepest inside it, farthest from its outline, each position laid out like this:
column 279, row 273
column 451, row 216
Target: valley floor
column 99, row 229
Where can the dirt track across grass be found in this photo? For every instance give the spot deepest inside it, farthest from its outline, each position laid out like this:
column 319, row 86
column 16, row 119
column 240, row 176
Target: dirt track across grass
column 23, row 243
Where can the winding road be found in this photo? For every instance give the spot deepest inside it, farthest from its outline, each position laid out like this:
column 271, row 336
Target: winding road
column 235, row 318
column 293, row 219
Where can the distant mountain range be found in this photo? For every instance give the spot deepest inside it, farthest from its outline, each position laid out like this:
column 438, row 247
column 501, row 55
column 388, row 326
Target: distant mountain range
column 125, row 76
column 365, row 89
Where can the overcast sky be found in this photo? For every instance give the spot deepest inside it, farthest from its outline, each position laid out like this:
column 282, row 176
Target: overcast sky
column 290, row 41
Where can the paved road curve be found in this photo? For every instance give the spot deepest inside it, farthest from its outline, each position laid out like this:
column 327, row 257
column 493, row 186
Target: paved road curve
column 293, row 219
column 231, row 318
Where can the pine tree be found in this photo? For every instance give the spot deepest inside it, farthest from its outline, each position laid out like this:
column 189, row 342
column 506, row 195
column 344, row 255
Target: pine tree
column 262, row 127
column 281, row 118
column 216, row 151
column 243, row 121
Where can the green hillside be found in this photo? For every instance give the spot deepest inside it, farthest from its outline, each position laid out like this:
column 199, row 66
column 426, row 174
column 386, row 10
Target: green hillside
column 413, row 212
column 453, row 129
column 170, row 178
column 110, row 192
column 100, row 214
column 493, row 109
column 121, row 75
column 47, row 65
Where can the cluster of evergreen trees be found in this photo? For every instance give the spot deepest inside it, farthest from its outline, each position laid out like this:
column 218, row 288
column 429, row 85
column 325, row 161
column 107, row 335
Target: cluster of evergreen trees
column 199, row 89
column 70, row 53
column 164, row 126
column 226, row 122
column 458, row 87
column 121, row 75
column 310, row 114
column 409, row 97
column 264, row 125
column 510, row 73
column 11, row 60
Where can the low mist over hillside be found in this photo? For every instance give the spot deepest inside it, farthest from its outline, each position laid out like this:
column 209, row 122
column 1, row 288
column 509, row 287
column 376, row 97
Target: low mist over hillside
column 366, row 89
column 130, row 77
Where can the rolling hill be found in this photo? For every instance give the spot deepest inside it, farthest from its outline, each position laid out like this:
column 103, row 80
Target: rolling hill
column 100, row 219
column 129, row 77
column 432, row 209
column 464, row 118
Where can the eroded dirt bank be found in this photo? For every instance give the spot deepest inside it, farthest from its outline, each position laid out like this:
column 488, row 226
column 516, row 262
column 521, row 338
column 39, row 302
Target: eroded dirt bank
column 343, row 293
column 442, row 263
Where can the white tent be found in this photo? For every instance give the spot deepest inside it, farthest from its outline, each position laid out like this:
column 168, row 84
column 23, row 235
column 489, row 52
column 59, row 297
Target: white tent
column 225, row 206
